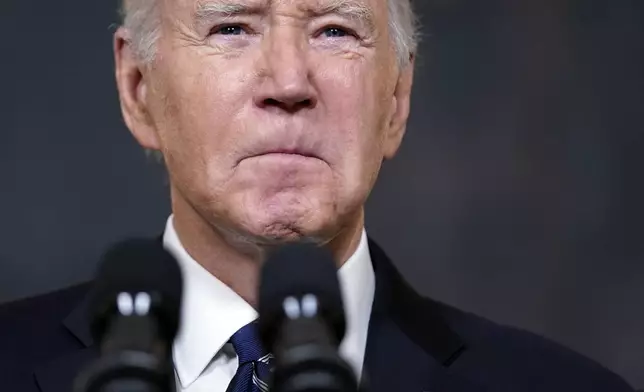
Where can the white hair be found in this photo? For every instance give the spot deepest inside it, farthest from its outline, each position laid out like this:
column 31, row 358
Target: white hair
column 141, row 18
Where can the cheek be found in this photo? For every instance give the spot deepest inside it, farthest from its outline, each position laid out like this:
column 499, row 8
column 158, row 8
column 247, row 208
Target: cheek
column 352, row 106
column 201, row 106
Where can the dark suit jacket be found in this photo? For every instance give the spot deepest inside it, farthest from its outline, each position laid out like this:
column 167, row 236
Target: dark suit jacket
column 414, row 345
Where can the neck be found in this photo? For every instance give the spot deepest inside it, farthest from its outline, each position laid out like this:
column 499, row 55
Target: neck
column 235, row 259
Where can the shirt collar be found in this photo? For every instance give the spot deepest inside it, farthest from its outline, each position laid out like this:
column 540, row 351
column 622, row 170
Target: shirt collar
column 358, row 285
column 212, row 312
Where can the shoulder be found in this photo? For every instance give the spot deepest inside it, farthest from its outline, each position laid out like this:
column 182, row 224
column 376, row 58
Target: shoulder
column 46, row 309
column 524, row 360
column 32, row 330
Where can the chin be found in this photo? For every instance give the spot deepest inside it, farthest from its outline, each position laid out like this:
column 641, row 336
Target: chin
column 288, row 227
column 288, row 223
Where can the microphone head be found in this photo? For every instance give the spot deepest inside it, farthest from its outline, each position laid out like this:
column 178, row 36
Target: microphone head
column 137, row 277
column 299, row 280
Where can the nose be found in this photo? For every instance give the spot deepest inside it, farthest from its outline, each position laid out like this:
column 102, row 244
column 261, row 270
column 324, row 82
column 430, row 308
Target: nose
column 286, row 83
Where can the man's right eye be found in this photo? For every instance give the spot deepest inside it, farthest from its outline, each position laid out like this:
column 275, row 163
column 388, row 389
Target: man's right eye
column 228, row 30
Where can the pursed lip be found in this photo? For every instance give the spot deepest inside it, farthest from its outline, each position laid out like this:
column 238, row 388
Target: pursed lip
column 283, row 151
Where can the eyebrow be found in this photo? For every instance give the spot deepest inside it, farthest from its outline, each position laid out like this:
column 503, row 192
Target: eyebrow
column 348, row 9
column 207, row 10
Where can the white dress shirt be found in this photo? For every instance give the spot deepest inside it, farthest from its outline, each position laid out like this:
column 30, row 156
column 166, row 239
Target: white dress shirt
column 212, row 312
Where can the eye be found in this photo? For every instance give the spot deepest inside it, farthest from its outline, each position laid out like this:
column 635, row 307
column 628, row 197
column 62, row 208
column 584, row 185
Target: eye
column 335, row 32
column 228, row 30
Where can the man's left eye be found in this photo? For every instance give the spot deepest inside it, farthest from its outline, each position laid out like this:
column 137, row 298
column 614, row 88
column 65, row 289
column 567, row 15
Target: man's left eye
column 335, row 32
column 229, row 30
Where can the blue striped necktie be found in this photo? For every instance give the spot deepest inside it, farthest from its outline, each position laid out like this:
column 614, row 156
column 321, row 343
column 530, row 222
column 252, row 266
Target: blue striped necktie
column 254, row 368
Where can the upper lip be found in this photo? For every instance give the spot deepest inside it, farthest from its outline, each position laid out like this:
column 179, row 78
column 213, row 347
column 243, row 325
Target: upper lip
column 275, row 148
column 292, row 135
column 293, row 151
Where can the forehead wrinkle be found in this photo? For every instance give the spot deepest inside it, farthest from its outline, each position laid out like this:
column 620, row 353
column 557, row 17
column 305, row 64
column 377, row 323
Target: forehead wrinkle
column 206, row 10
column 349, row 9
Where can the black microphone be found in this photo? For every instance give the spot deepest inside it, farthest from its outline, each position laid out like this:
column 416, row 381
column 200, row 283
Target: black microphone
column 134, row 317
column 301, row 321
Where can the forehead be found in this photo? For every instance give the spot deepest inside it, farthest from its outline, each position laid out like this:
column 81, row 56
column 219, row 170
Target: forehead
column 378, row 8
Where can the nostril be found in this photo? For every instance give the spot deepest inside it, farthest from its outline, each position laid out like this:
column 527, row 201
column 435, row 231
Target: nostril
column 272, row 102
column 288, row 106
column 303, row 104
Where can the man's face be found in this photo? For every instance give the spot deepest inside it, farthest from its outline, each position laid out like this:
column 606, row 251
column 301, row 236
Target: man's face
column 273, row 116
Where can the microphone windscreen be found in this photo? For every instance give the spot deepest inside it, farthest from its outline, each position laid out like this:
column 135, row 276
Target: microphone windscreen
column 142, row 275
column 295, row 270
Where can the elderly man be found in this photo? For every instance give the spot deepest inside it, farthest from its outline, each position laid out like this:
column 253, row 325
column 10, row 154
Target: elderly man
column 273, row 118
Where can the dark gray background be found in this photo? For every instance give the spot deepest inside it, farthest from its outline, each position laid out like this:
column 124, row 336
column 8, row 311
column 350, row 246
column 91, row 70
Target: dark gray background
column 517, row 194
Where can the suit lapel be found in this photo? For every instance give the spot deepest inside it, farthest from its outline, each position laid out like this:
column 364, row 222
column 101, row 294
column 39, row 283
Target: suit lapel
column 410, row 346
column 77, row 321
column 59, row 375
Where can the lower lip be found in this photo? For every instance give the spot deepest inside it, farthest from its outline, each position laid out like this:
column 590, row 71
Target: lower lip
column 286, row 157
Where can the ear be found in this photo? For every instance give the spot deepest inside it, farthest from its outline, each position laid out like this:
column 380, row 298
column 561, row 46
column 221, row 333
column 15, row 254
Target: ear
column 133, row 89
column 400, row 105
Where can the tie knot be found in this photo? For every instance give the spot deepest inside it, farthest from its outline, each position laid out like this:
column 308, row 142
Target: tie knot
column 248, row 346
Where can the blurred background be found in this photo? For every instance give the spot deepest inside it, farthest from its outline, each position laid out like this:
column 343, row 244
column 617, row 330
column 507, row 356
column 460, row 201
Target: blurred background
column 517, row 194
